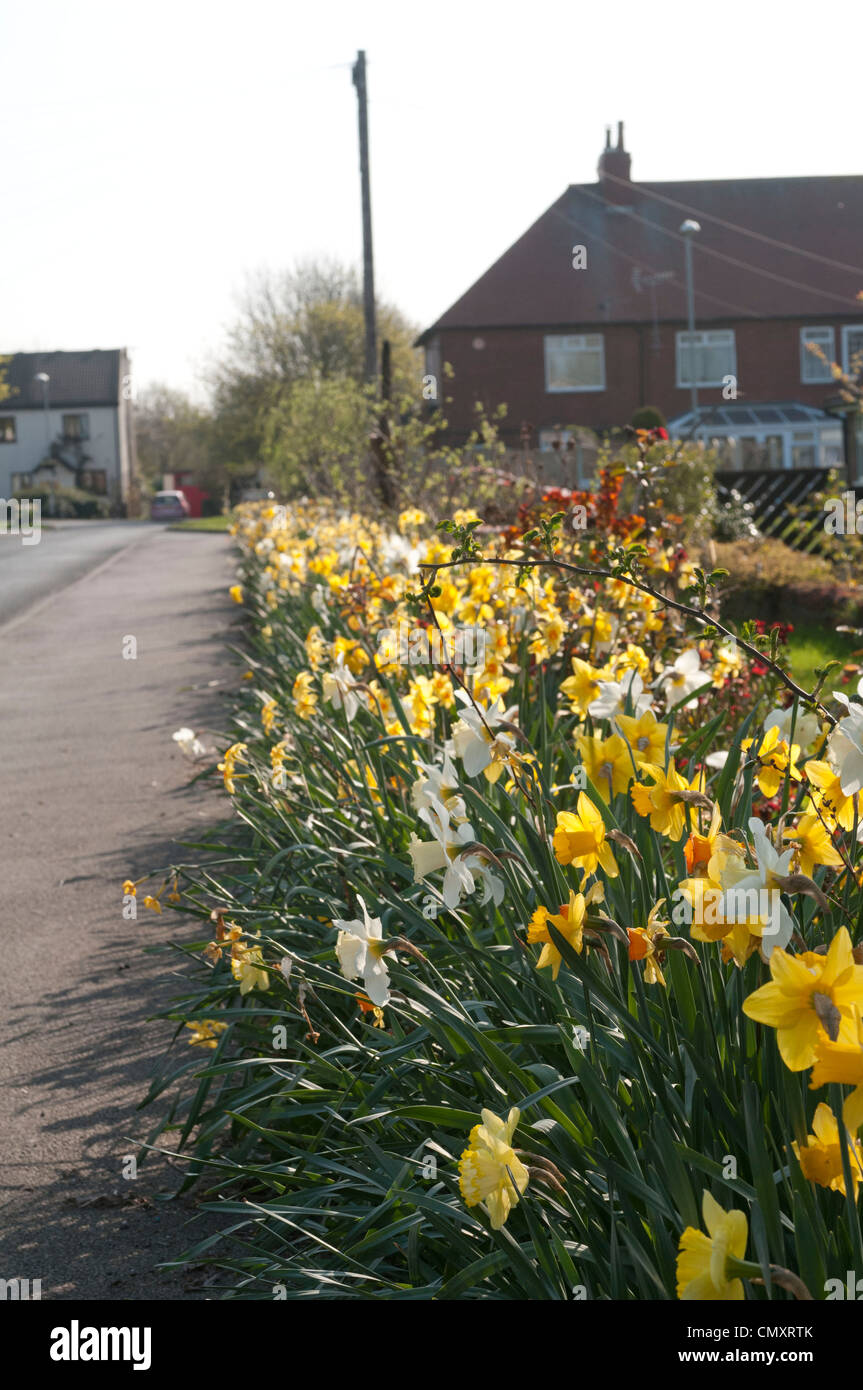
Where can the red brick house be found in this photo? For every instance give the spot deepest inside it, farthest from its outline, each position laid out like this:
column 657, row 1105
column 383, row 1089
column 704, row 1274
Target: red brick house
column 584, row 319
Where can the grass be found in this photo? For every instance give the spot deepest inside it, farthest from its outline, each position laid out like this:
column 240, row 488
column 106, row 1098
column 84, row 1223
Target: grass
column 203, row 523
column 812, row 645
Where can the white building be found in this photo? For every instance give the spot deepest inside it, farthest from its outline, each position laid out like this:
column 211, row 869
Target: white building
column 67, row 421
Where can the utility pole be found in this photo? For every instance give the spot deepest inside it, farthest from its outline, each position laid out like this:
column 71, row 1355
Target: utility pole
column 371, row 357
column 688, row 230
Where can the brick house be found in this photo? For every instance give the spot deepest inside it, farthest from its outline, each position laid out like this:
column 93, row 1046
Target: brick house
column 67, row 422
column 585, row 318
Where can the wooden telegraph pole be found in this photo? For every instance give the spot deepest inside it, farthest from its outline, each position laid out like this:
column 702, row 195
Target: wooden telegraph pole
column 371, row 355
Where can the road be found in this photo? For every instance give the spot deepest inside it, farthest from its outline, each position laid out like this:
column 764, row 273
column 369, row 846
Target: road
column 92, row 790
column 64, row 551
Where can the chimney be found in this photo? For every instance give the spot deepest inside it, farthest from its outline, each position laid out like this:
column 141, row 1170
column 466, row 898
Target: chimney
column 614, row 164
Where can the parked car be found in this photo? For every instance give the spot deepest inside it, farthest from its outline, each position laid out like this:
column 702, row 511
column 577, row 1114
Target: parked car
column 169, row 506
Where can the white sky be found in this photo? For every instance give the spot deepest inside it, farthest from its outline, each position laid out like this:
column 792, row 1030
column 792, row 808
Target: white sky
column 156, row 151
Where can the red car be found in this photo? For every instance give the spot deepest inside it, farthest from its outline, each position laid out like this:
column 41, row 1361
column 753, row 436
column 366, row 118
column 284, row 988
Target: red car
column 169, row 506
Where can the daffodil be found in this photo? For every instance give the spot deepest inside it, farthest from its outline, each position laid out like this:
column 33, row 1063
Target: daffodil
column 607, row 762
column 821, row 1156
column 663, row 801
column 681, row 678
column 845, row 745
column 645, row 943
column 360, row 949
column 580, row 839
column 205, row 1032
column 338, row 689
column 836, row 806
column 236, row 593
column 569, row 921
column 702, row 1261
column 813, row 844
column 645, row 736
column 489, row 1171
column 582, row 686
column 773, row 761
column 480, row 742
column 842, row 1062
column 304, row 696
column 809, row 998
column 247, row 967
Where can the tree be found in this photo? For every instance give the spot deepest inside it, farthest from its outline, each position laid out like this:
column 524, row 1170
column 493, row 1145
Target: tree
column 172, row 434
column 298, row 326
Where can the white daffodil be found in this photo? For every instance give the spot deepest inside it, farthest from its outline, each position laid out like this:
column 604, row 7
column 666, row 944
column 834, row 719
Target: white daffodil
column 845, row 746
column 360, row 950
column 446, row 851
column 319, row 603
column 806, row 726
column 337, row 688
column 190, row 745
column 478, row 741
column 613, row 696
column 718, row 759
column 680, row 679
column 438, row 787
column 755, row 893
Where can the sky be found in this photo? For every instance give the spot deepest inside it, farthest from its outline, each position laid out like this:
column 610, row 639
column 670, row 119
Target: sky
column 156, row 153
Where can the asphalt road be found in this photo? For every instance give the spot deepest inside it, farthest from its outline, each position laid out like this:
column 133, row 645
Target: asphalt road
column 92, row 790
column 65, row 550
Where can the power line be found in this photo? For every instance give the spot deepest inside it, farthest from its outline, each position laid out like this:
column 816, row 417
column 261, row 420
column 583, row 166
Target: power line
column 616, row 250
column 730, row 260
column 735, row 227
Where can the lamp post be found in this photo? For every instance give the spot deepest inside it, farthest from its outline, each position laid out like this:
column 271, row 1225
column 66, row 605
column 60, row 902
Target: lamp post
column 45, row 380
column 688, row 230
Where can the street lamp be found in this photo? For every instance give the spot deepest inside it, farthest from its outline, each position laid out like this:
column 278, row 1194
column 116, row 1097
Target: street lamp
column 45, row 380
column 688, row 230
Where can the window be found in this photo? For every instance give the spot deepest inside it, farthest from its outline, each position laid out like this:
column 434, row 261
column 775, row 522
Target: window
column 8, row 433
column 575, row 363
column 813, row 367
column 715, row 357
column 76, row 427
column 852, row 348
column 21, row 481
column 95, row 480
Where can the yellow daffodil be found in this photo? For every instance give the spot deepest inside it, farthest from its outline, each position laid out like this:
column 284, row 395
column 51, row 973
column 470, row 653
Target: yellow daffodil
column 821, row 1156
column 662, row 801
column 569, row 922
column 205, row 1032
column 582, row 686
column 247, row 967
column 810, row 997
column 773, row 759
column 835, row 806
column 489, row 1171
column 645, row 736
column 579, row 839
column 813, row 844
column 236, row 593
column 607, row 762
column 232, row 756
column 702, row 1261
column 152, row 903
column 842, row 1062
column 303, row 694
column 645, row 943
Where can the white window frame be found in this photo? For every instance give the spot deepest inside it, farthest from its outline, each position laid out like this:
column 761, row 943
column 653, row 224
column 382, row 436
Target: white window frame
column 847, row 330
column 812, row 369
column 702, row 337
column 579, row 343
column 6, row 417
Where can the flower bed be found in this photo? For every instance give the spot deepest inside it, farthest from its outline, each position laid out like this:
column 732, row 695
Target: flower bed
column 528, row 950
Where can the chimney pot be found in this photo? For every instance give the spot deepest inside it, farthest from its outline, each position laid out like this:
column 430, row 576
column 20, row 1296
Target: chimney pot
column 614, row 170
